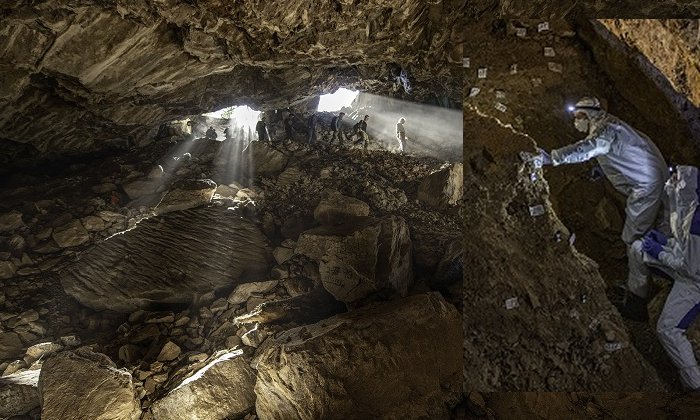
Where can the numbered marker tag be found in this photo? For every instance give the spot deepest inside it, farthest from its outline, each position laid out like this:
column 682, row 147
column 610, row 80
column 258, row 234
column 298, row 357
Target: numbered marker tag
column 482, row 73
column 612, row 346
column 555, row 67
column 536, row 81
column 533, row 177
column 512, row 303
column 544, row 26
column 465, row 62
column 521, row 32
column 474, row 91
column 537, row 210
column 500, row 94
column 572, row 239
column 513, row 68
column 549, row 52
column 501, row 107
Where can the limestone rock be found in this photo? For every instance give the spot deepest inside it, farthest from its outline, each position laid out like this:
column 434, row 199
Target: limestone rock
column 10, row 345
column 336, row 208
column 170, row 351
column 71, row 234
column 156, row 172
column 93, row 223
column 221, row 389
column 187, row 195
column 7, row 269
column 226, row 191
column 282, row 254
column 264, row 159
column 400, row 359
column 442, row 188
column 37, row 351
column 243, row 291
column 140, row 188
column 18, row 393
column 213, row 250
column 84, row 384
column 361, row 258
column 10, row 221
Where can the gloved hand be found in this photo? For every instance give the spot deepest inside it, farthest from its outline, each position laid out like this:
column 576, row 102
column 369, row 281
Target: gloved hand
column 657, row 236
column 546, row 158
column 651, row 247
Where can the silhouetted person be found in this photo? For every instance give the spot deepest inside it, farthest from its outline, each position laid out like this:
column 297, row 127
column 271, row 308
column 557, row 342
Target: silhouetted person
column 335, row 128
column 360, row 130
column 211, row 133
column 311, row 129
column 227, row 133
column 261, row 129
column 288, row 127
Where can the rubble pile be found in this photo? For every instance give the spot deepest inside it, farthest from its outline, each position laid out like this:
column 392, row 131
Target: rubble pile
column 180, row 276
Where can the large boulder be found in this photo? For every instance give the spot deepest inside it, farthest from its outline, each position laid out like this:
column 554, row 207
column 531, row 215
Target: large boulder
column 358, row 259
column 71, row 234
column 187, row 195
column 10, row 221
column 221, row 389
column 264, row 159
column 336, row 208
column 10, row 345
column 400, row 359
column 168, row 259
column 442, row 188
column 82, row 384
column 18, row 393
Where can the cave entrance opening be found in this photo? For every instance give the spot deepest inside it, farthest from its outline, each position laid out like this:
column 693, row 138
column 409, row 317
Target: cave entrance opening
column 337, row 100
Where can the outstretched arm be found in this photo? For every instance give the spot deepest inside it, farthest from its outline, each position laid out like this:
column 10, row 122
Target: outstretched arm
column 582, row 151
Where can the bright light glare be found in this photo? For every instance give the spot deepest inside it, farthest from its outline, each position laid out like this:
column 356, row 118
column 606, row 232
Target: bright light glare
column 335, row 101
column 244, row 116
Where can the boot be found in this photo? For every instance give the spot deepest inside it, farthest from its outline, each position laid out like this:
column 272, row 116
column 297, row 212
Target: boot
column 633, row 307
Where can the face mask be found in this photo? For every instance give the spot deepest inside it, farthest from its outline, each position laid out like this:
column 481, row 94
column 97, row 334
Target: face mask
column 581, row 125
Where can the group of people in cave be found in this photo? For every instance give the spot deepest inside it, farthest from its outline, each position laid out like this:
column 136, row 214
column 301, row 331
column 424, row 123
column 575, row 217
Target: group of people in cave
column 357, row 136
column 662, row 224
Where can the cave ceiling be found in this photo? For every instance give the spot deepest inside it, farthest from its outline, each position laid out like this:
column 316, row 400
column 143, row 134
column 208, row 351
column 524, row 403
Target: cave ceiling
column 78, row 76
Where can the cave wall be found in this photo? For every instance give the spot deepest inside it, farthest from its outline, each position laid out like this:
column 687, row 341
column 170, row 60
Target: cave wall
column 79, row 76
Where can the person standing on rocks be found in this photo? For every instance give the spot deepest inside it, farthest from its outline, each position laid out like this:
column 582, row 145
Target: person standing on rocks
column 261, row 129
column 401, row 134
column 211, row 133
column 311, row 128
column 677, row 256
column 336, row 124
column 635, row 167
column 288, row 125
column 360, row 130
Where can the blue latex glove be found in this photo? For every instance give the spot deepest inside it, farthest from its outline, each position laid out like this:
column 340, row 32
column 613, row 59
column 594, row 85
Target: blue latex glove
column 657, row 237
column 546, row 159
column 651, row 247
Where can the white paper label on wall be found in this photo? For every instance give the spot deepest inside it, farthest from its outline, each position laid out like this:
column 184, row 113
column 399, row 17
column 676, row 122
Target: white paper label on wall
column 549, row 52
column 482, row 73
column 555, row 67
column 512, row 303
column 544, row 26
column 513, row 68
column 465, row 62
column 501, row 107
column 521, row 32
column 474, row 91
column 500, row 94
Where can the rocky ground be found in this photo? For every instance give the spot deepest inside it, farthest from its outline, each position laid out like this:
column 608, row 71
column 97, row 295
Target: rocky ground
column 153, row 283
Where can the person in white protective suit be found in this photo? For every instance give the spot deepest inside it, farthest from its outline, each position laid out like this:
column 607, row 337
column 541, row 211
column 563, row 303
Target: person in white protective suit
column 678, row 256
column 634, row 166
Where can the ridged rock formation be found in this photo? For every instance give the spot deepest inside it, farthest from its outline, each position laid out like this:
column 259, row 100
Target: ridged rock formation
column 168, row 259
